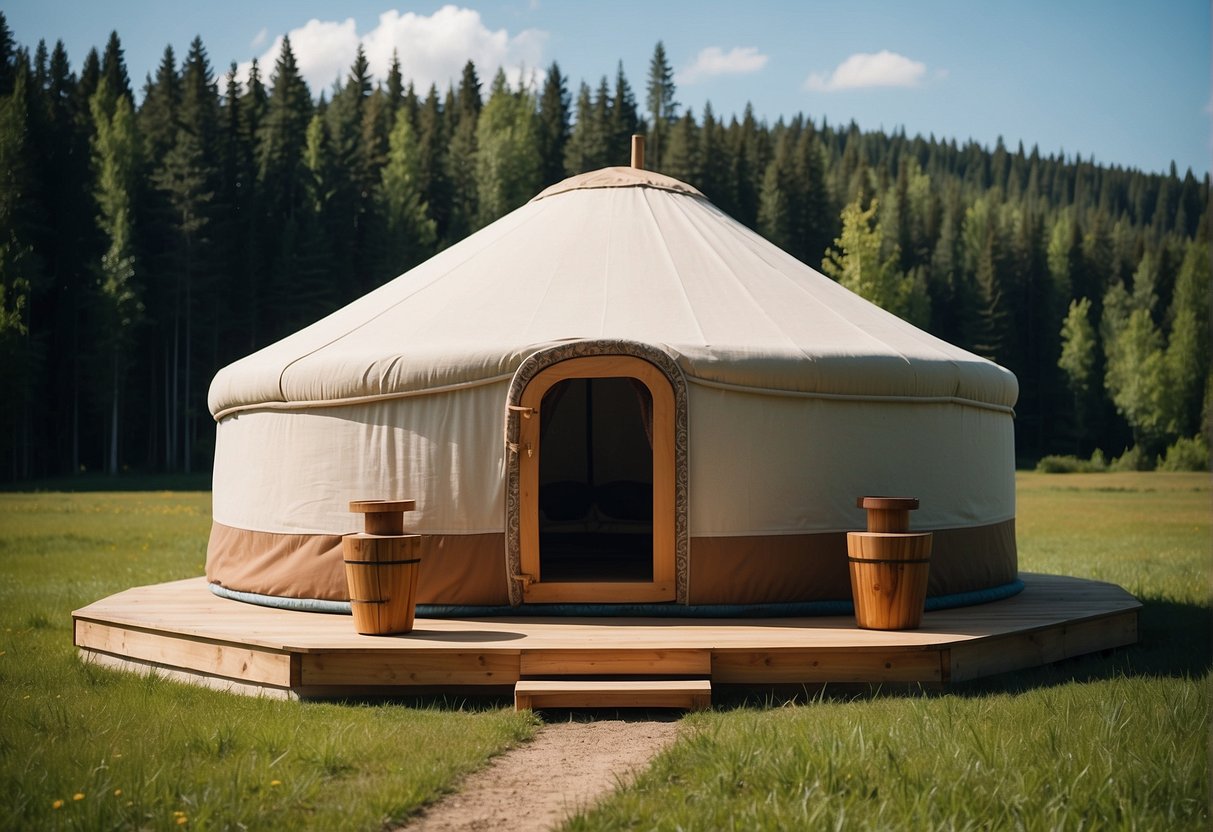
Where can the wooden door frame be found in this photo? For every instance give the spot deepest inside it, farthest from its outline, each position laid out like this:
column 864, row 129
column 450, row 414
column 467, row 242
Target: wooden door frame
column 666, row 385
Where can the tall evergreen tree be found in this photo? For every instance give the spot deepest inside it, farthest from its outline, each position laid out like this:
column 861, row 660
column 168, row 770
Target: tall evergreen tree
column 857, row 263
column 713, row 158
column 410, row 233
column 113, row 68
column 348, row 209
column 625, row 120
column 682, row 150
column 585, row 142
column 19, row 275
column 1079, row 348
column 116, row 157
column 188, row 177
column 461, row 155
column 508, row 166
column 433, row 182
column 7, row 57
column 663, row 109
column 281, row 176
column 1188, row 348
column 158, row 114
column 553, row 125
column 777, row 199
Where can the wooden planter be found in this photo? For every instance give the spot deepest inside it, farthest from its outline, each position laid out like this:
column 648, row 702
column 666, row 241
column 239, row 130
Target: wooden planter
column 381, row 568
column 889, row 566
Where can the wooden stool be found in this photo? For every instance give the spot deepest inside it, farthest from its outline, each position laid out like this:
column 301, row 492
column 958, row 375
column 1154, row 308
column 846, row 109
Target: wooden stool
column 889, row 566
column 381, row 568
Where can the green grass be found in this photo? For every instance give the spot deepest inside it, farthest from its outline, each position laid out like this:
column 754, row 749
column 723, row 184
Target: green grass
column 1105, row 742
column 144, row 753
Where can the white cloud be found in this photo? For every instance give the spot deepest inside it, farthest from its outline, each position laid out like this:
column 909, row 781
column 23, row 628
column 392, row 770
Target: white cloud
column 712, row 61
column 883, row 69
column 260, row 38
column 432, row 49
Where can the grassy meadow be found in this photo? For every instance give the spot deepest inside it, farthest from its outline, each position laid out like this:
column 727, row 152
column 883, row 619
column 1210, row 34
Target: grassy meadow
column 88, row 748
column 1115, row 741
column 1102, row 742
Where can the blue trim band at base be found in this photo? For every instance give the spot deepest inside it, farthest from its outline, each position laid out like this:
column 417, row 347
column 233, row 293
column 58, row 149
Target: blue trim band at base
column 799, row 609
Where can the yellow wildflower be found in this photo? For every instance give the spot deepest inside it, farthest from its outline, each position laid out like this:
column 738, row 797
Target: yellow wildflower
column 117, row 792
column 275, row 782
column 78, row 796
column 181, row 821
column 58, row 804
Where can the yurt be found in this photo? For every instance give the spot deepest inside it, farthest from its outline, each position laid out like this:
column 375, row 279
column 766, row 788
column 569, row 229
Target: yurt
column 614, row 395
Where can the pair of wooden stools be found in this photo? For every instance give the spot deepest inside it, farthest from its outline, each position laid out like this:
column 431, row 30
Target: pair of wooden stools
column 889, row 566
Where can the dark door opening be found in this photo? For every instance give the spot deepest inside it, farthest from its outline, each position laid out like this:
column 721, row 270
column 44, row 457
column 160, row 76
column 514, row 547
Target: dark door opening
column 596, row 481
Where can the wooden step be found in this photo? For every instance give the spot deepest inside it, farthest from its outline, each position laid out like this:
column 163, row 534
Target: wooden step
column 691, row 694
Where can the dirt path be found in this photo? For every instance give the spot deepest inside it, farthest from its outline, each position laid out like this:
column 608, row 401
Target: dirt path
column 568, row 766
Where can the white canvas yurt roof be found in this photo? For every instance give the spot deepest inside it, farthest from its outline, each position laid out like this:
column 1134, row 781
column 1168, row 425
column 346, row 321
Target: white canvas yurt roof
column 617, row 253
column 773, row 398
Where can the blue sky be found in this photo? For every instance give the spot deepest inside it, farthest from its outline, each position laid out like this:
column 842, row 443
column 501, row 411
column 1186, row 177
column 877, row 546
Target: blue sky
column 1127, row 83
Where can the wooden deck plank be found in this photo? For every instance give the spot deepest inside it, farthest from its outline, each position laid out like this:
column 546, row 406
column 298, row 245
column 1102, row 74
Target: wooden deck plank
column 692, row 694
column 183, row 625
column 812, row 665
column 356, row 668
column 193, row 677
column 1017, row 651
column 618, row 661
column 215, row 658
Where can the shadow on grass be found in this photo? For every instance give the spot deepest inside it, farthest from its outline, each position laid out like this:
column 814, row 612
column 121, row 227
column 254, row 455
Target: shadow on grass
column 92, row 482
column 1174, row 640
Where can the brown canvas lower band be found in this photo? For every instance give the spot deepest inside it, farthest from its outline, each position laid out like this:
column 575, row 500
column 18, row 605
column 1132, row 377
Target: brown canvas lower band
column 470, row 569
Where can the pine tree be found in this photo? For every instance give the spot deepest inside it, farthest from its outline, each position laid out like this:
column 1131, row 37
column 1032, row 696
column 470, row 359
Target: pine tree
column 815, row 223
column 1188, row 348
column 856, row 262
column 432, row 178
column 187, row 176
column 395, row 87
column 600, row 118
column 663, row 109
column 411, row 234
column 113, row 68
column 355, row 145
column 508, row 166
column 158, row 113
column 553, row 133
column 7, row 58
column 19, row 273
column 461, row 156
column 90, row 78
column 582, row 148
column 776, row 205
column 749, row 164
column 625, row 120
column 67, row 249
column 682, row 150
column 281, row 176
column 1078, row 360
column 713, row 158
column 116, row 155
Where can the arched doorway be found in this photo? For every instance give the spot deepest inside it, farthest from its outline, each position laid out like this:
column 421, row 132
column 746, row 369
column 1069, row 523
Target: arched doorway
column 596, row 482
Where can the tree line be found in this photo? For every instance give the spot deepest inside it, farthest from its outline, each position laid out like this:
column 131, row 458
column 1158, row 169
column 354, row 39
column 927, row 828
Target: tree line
column 145, row 243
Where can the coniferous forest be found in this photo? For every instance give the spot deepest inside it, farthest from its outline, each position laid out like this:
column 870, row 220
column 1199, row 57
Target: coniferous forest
column 146, row 240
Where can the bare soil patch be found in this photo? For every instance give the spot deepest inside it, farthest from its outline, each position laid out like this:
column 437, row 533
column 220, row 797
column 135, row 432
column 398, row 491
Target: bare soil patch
column 569, row 766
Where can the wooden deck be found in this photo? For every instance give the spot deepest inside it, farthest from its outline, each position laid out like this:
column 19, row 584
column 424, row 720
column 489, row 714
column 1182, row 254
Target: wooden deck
column 181, row 630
